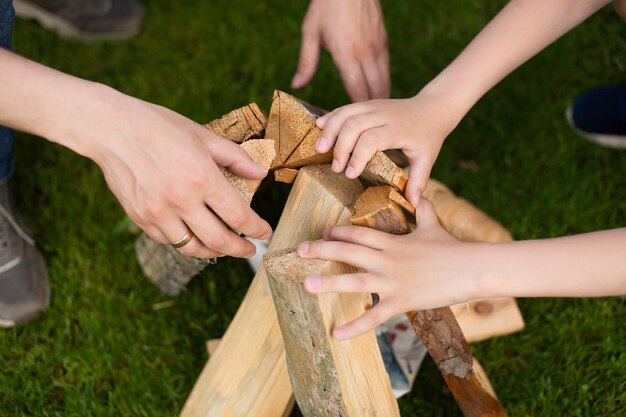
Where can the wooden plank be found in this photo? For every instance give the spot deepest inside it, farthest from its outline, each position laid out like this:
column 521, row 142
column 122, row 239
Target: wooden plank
column 437, row 328
column 286, row 175
column 247, row 375
column 292, row 125
column 329, row 377
column 169, row 269
column 241, row 124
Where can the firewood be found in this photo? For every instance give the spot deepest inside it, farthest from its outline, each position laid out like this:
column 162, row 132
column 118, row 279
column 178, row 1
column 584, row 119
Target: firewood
column 263, row 153
column 329, row 377
column 380, row 170
column 286, row 175
column 250, row 379
column 292, row 125
column 438, row 329
column 461, row 218
column 241, row 124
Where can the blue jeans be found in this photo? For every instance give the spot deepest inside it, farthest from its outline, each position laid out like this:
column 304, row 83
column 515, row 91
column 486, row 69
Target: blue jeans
column 7, row 14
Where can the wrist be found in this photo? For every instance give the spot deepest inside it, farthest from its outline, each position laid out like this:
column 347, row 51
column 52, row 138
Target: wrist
column 485, row 276
column 89, row 117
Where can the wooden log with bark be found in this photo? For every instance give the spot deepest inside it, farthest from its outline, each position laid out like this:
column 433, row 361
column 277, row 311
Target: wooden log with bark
column 437, row 328
column 329, row 377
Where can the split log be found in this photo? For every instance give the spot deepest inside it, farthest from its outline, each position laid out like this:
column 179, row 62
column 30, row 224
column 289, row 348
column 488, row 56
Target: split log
column 286, row 175
column 262, row 151
column 169, row 269
column 241, row 124
column 250, row 378
column 329, row 378
column 291, row 125
column 380, row 170
column 437, row 329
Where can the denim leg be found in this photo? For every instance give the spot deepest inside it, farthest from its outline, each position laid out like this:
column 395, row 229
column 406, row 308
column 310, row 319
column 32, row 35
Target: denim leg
column 7, row 14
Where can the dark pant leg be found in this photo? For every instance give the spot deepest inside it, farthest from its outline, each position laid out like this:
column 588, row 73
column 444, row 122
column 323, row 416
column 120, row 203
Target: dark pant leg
column 7, row 14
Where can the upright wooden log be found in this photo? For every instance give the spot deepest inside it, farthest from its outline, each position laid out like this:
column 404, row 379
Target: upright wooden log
column 247, row 375
column 292, row 125
column 329, row 378
column 438, row 329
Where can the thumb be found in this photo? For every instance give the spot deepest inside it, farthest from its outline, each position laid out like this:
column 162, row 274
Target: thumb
column 419, row 172
column 425, row 215
column 307, row 63
column 231, row 156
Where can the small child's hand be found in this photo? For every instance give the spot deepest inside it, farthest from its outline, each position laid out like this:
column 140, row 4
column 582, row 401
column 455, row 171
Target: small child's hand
column 417, row 126
column 425, row 269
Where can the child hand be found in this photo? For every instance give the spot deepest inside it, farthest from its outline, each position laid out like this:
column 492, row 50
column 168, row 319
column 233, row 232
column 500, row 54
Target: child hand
column 422, row 270
column 417, row 126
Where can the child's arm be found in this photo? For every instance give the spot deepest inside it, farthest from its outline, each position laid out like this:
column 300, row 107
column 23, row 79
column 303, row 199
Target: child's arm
column 429, row 268
column 161, row 166
column 420, row 124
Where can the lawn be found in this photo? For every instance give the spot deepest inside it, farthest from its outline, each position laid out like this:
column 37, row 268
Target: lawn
column 102, row 349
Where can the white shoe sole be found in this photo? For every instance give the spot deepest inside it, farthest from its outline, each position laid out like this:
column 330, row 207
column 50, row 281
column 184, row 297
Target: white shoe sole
column 608, row 141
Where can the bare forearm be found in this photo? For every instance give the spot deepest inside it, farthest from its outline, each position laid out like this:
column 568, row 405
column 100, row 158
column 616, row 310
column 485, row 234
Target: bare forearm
column 521, row 30
column 587, row 265
column 49, row 103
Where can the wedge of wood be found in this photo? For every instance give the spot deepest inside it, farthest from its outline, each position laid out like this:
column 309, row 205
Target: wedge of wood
column 291, row 124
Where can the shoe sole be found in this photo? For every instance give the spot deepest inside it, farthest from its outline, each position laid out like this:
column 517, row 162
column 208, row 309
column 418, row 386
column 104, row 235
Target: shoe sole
column 607, row 141
column 64, row 27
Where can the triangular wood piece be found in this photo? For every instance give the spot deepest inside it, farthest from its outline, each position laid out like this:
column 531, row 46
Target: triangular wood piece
column 262, row 151
column 381, row 170
column 292, row 125
column 241, row 124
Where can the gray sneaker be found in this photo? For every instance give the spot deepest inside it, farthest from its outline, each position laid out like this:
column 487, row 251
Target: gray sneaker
column 24, row 290
column 85, row 19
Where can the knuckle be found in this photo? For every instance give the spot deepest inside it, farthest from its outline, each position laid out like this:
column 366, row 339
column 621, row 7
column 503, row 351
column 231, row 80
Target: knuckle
column 237, row 220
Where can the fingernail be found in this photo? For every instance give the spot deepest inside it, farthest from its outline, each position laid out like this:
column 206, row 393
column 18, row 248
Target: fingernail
column 266, row 236
column 335, row 165
column 326, row 233
column 259, row 166
column 339, row 333
column 320, row 122
column 297, row 79
column 251, row 253
column 312, row 283
column 303, row 248
column 321, row 144
column 350, row 173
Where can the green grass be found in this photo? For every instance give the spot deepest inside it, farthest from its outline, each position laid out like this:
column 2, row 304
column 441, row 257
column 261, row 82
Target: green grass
column 103, row 350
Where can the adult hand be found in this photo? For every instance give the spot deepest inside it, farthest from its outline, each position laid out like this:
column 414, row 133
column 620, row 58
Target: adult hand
column 422, row 270
column 165, row 171
column 353, row 31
